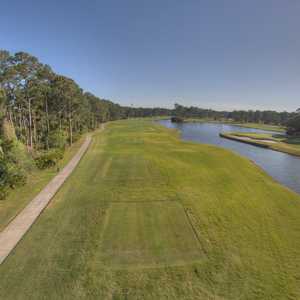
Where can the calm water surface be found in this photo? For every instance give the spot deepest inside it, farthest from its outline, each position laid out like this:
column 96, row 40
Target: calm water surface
column 283, row 167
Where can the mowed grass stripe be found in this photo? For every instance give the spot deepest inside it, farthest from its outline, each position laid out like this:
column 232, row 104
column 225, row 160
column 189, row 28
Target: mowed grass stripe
column 81, row 247
column 149, row 234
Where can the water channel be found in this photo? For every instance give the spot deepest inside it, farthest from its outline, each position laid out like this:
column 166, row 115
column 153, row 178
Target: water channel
column 283, row 167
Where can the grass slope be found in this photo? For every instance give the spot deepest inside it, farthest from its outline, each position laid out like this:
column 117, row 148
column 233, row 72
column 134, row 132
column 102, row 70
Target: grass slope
column 146, row 216
column 279, row 142
column 261, row 126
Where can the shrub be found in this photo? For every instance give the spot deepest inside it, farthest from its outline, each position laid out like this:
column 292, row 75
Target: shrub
column 3, row 179
column 58, row 139
column 176, row 120
column 14, row 161
column 293, row 126
column 3, row 192
column 15, row 152
column 11, row 175
column 16, row 176
column 49, row 158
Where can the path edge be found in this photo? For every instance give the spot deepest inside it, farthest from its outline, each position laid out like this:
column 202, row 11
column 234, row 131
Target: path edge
column 40, row 202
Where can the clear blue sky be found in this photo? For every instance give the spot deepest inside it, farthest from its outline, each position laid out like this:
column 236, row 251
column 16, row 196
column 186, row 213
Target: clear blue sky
column 222, row 54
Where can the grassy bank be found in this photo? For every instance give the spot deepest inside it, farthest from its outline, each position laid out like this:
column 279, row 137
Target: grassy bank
column 246, row 125
column 262, row 126
column 281, row 143
column 36, row 181
column 147, row 216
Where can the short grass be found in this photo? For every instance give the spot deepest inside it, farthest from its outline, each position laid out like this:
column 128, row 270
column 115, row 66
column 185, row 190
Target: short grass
column 147, row 216
column 36, row 181
column 128, row 243
column 283, row 143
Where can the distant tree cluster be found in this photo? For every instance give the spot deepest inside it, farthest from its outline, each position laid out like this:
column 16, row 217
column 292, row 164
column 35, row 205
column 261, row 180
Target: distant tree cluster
column 293, row 125
column 241, row 116
column 142, row 112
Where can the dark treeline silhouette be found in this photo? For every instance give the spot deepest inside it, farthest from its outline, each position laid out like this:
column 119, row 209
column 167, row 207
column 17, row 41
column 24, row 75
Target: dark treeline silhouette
column 142, row 112
column 242, row 116
column 293, row 124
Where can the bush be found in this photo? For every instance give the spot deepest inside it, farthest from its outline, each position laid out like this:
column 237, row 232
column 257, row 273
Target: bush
column 16, row 176
column 49, row 158
column 15, row 152
column 14, row 161
column 293, row 126
column 3, row 179
column 11, row 176
column 3, row 192
column 176, row 120
column 58, row 139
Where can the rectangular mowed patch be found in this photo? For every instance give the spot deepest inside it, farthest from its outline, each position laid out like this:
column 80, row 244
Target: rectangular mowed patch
column 148, row 233
column 135, row 177
column 128, row 169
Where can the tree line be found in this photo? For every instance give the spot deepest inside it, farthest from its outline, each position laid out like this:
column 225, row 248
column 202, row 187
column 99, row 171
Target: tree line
column 293, row 124
column 42, row 106
column 289, row 120
column 241, row 116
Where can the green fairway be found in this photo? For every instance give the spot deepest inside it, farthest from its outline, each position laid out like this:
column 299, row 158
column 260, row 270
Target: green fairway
column 147, row 216
column 150, row 233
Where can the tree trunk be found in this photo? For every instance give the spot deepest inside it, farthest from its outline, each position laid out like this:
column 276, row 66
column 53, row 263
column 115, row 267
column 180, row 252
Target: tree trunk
column 48, row 124
column 34, row 130
column 70, row 129
column 7, row 130
column 60, row 126
column 30, row 124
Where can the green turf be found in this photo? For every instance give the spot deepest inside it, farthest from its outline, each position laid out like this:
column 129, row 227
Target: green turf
column 127, row 243
column 261, row 126
column 146, row 216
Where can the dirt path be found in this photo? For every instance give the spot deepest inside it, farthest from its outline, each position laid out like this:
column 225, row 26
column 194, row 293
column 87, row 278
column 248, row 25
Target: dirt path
column 17, row 228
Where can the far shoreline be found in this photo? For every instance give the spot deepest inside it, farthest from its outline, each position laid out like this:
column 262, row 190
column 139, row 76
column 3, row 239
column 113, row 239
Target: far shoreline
column 261, row 126
column 270, row 144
